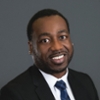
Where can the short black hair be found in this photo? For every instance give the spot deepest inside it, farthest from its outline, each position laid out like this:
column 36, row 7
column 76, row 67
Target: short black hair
column 40, row 14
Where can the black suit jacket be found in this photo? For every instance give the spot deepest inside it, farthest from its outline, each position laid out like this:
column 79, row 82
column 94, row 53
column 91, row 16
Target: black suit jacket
column 31, row 85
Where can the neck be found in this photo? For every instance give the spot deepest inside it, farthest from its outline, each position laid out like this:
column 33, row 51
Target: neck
column 59, row 75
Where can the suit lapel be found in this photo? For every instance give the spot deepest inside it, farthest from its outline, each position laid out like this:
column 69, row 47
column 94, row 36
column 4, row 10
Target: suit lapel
column 77, row 88
column 42, row 89
column 44, row 92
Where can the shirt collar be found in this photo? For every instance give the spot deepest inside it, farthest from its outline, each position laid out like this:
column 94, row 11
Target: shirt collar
column 51, row 80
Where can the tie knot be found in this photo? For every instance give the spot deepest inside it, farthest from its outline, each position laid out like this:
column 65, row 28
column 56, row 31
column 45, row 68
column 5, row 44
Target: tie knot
column 60, row 85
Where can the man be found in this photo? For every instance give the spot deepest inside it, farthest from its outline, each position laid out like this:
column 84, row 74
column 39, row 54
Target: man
column 52, row 50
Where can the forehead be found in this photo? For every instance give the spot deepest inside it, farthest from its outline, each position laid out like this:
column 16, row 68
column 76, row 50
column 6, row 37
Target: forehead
column 49, row 24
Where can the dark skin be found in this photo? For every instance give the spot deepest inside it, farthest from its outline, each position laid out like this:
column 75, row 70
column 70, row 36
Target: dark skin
column 51, row 45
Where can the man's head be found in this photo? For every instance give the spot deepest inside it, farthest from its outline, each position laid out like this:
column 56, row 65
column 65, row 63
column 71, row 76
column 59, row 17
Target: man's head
column 49, row 41
column 41, row 14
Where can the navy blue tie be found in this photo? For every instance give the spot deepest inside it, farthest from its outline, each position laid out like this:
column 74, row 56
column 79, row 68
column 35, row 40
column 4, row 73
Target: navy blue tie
column 62, row 87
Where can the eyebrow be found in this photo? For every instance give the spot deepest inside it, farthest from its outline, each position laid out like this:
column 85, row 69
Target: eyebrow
column 62, row 31
column 48, row 34
column 44, row 34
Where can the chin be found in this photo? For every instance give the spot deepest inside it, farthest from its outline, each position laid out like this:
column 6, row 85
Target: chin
column 60, row 70
column 57, row 68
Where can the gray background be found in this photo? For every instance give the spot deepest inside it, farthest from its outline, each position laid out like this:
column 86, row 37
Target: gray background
column 84, row 19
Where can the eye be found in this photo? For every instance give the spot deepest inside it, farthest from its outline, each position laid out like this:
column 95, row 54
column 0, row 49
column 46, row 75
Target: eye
column 45, row 41
column 63, row 37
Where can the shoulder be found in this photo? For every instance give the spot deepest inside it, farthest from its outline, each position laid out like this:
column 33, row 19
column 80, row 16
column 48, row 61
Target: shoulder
column 21, row 78
column 83, row 80
column 25, row 78
column 19, row 81
column 22, row 85
column 80, row 76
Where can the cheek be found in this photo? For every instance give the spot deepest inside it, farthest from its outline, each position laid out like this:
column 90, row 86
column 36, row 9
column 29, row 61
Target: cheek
column 71, row 49
column 68, row 43
column 69, row 46
column 42, row 50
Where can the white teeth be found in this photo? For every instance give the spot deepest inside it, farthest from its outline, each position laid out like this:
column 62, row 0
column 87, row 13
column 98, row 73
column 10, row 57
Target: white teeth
column 58, row 57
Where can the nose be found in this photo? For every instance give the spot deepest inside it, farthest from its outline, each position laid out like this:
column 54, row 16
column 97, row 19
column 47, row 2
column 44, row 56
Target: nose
column 56, row 45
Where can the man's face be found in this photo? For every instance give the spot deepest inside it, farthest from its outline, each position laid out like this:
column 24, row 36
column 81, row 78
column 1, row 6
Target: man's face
column 51, row 44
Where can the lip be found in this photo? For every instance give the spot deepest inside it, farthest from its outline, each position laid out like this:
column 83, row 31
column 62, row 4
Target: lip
column 58, row 58
column 57, row 54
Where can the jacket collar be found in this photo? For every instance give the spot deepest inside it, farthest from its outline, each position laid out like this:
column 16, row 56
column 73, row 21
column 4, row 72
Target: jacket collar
column 41, row 87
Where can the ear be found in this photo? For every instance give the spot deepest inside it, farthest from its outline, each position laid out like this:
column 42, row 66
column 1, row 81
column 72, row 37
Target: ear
column 30, row 47
column 72, row 44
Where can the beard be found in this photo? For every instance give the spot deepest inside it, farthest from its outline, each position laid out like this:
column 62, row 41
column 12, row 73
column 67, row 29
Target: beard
column 44, row 66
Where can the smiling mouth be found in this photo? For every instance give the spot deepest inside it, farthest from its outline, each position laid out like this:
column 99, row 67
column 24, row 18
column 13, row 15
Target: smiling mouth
column 58, row 57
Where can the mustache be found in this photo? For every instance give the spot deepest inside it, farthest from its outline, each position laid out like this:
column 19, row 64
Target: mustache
column 58, row 52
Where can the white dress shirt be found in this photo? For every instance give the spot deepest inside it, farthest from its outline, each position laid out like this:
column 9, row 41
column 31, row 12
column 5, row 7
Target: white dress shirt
column 51, row 81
